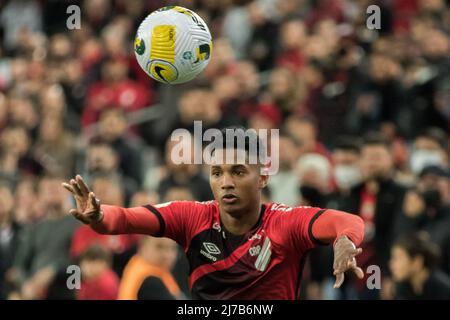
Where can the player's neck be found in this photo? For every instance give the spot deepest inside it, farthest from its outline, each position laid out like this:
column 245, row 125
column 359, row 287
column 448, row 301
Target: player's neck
column 239, row 224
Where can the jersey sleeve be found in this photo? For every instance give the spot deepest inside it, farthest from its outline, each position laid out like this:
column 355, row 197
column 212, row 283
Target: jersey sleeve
column 299, row 223
column 309, row 227
column 179, row 220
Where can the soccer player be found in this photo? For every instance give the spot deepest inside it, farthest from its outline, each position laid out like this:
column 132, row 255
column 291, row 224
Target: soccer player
column 237, row 246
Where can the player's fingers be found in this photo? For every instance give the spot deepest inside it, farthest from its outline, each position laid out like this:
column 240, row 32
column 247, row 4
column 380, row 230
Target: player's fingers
column 83, row 187
column 358, row 271
column 355, row 252
column 339, row 280
column 68, row 188
column 78, row 215
column 340, row 269
column 94, row 202
column 75, row 187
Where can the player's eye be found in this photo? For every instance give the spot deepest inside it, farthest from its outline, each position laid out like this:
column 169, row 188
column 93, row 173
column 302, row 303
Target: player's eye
column 239, row 173
column 215, row 174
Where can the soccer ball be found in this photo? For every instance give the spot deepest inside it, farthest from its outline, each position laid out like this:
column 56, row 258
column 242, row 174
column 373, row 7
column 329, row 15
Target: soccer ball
column 173, row 45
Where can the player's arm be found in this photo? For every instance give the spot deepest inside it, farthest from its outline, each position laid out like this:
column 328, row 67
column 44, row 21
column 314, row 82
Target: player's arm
column 107, row 219
column 346, row 232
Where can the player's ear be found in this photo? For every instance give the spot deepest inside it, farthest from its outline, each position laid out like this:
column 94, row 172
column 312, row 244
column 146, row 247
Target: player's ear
column 263, row 180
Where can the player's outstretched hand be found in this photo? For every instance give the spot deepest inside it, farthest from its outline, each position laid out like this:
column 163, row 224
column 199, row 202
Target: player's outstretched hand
column 88, row 206
column 344, row 260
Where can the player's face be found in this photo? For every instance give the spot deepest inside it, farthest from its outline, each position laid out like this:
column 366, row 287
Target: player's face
column 237, row 186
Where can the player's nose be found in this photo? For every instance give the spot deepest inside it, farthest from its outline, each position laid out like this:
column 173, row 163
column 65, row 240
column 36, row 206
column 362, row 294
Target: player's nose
column 227, row 181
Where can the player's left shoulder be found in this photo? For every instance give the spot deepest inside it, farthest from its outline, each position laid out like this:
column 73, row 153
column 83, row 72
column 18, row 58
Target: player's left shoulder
column 278, row 207
column 281, row 207
column 284, row 211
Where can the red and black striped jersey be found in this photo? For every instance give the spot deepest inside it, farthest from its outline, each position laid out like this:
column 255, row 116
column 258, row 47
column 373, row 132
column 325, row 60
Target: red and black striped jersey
column 265, row 263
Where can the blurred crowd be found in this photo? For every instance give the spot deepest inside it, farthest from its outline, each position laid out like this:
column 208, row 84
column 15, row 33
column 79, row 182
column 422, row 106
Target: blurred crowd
column 364, row 117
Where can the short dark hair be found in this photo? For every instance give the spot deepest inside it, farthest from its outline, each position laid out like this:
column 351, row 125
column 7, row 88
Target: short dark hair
column 96, row 252
column 436, row 134
column 419, row 244
column 348, row 143
column 239, row 134
column 375, row 139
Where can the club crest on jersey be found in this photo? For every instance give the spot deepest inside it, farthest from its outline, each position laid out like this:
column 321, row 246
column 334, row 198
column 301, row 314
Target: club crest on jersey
column 253, row 251
column 264, row 254
column 210, row 250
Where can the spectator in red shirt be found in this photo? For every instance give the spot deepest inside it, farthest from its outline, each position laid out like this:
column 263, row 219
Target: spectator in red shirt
column 99, row 281
column 114, row 90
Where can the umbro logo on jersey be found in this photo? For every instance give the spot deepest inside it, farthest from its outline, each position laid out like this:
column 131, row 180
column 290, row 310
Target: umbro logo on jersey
column 211, row 249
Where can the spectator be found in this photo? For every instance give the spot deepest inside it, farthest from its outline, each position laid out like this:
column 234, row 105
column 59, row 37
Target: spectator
column 346, row 157
column 305, row 132
column 285, row 186
column 314, row 174
column 430, row 148
column 141, row 198
column 147, row 275
column 185, row 174
column 427, row 207
column 293, row 38
column 26, row 202
column 9, row 237
column 103, row 160
column 377, row 199
column 55, row 148
column 99, row 282
column 414, row 268
column 115, row 90
column 43, row 249
column 15, row 154
column 113, row 130
column 19, row 16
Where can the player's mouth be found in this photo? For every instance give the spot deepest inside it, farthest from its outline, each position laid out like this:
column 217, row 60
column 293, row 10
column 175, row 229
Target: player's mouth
column 229, row 198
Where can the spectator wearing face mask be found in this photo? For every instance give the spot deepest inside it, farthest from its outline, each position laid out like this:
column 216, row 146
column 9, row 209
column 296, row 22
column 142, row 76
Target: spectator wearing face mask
column 413, row 263
column 427, row 206
column 346, row 171
column 430, row 148
column 314, row 174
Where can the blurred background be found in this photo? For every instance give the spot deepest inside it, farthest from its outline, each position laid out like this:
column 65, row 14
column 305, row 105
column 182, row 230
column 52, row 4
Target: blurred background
column 363, row 114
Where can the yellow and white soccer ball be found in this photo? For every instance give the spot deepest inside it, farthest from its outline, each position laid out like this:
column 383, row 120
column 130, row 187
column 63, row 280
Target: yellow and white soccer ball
column 173, row 45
